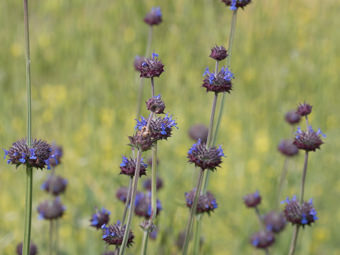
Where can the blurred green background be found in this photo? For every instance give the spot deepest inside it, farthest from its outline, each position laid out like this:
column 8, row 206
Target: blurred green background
column 84, row 98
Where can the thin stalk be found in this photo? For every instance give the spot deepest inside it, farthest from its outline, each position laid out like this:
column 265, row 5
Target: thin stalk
column 262, row 223
column 145, row 242
column 152, row 87
column 127, row 202
column 281, row 181
column 29, row 172
column 294, row 240
column 132, row 204
column 154, row 184
column 51, row 238
column 192, row 213
column 197, row 238
column 56, row 236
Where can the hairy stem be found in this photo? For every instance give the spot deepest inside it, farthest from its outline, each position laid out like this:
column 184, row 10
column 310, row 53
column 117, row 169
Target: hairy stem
column 132, row 203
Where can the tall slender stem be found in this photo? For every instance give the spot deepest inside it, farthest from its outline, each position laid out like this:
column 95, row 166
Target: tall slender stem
column 145, row 242
column 197, row 236
column 294, row 240
column 29, row 172
column 132, row 203
column 281, row 181
column 50, row 250
column 127, row 202
column 152, row 87
column 56, row 236
column 192, row 213
column 148, row 45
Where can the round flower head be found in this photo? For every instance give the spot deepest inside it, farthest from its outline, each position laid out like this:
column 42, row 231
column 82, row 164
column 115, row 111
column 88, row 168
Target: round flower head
column 147, row 184
column 154, row 17
column 154, row 233
column 298, row 214
column 252, row 200
column 155, row 104
column 151, row 67
column 141, row 140
column 292, row 117
column 55, row 185
column 128, row 167
column 33, row 249
column 113, row 234
column 275, row 221
column 57, row 152
column 51, row 209
column 206, row 203
column 308, row 140
column 143, row 205
column 137, row 63
column 122, row 194
column 218, row 53
column 205, row 158
column 288, row 148
column 262, row 239
column 199, row 131
column 304, row 109
column 37, row 156
column 221, row 82
column 100, row 217
column 234, row 4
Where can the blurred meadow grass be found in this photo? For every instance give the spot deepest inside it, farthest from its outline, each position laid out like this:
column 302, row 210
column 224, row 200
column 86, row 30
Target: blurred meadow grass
column 84, row 98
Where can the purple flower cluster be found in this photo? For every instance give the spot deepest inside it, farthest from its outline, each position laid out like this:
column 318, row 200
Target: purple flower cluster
column 220, row 82
column 100, row 217
column 154, row 17
column 113, row 234
column 128, row 167
column 143, row 205
column 51, row 209
column 234, row 4
column 206, row 203
column 308, row 140
column 151, row 67
column 55, row 185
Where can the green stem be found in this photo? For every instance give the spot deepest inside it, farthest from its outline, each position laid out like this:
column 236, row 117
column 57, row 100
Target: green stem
column 145, row 242
column 56, row 236
column 262, row 224
column 51, row 238
column 28, row 212
column 281, row 181
column 294, row 240
column 192, row 213
column 127, row 202
column 132, row 203
column 197, row 237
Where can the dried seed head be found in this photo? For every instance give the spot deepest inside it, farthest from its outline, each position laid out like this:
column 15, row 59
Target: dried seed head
column 33, row 249
column 205, row 158
column 220, row 82
column 51, row 209
column 292, row 117
column 155, row 104
column 151, row 67
column 199, row 131
column 147, row 184
column 234, row 4
column 275, row 221
column 154, row 17
column 262, row 239
column 308, row 140
column 288, row 148
column 128, row 167
column 218, row 53
column 206, row 203
column 252, row 200
column 143, row 205
column 304, row 109
column 55, row 185
column 100, row 217
column 113, row 234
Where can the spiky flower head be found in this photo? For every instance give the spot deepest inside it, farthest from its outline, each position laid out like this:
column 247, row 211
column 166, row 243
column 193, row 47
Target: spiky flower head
column 55, row 185
column 57, row 152
column 304, row 109
column 128, row 167
column 252, row 200
column 151, row 67
column 292, row 117
column 199, row 131
column 218, row 53
column 298, row 214
column 275, row 221
column 33, row 249
column 262, row 239
column 206, row 203
column 220, row 82
column 147, row 184
column 143, row 205
column 155, row 104
column 38, row 155
column 137, row 63
column 234, row 4
column 288, row 148
column 51, row 209
column 113, row 234
column 308, row 140
column 100, row 217
column 141, row 140
column 154, row 17
column 205, row 158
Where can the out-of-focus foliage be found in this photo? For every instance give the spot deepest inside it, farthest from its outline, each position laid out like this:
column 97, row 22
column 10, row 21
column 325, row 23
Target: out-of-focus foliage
column 84, row 98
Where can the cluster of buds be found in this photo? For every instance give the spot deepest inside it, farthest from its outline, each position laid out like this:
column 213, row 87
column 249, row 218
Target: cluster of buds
column 114, row 234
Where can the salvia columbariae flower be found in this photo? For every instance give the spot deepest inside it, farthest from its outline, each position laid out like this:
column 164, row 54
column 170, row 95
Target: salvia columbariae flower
column 153, row 234
column 262, row 239
column 137, row 63
column 55, row 185
column 220, row 82
column 304, row 109
column 151, row 67
column 122, row 194
column 308, row 140
column 234, row 4
column 57, row 152
column 100, row 217
column 292, row 117
column 128, row 167
column 155, row 104
column 38, row 156
column 33, row 249
column 51, row 209
column 218, row 53
column 252, row 200
column 206, row 203
column 288, row 148
column 113, row 234
column 298, row 214
column 154, row 17
column 205, row 158
column 147, row 184
column 275, row 221
column 199, row 131
column 142, row 140
column 143, row 205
